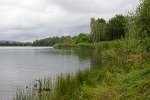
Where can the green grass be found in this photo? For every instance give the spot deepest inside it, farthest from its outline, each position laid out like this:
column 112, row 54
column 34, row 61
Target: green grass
column 135, row 85
column 113, row 83
column 125, row 75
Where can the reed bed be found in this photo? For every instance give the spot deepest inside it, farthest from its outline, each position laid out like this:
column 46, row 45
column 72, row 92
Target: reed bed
column 89, row 46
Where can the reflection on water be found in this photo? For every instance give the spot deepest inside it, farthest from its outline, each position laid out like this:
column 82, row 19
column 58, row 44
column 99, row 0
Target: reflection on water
column 94, row 56
column 19, row 66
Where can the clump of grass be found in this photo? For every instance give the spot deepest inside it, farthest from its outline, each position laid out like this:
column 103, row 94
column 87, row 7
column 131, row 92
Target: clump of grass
column 72, row 86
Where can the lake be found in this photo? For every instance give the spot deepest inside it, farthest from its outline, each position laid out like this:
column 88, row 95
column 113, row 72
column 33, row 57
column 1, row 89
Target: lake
column 19, row 66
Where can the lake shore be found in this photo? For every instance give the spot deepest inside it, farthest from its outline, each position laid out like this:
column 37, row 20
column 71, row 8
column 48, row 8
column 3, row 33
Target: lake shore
column 122, row 76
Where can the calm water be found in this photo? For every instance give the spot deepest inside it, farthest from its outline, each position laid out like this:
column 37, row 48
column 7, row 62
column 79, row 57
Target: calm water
column 19, row 66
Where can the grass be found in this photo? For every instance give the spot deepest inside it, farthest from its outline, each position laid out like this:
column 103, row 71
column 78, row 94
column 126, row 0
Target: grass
column 66, row 90
column 113, row 83
column 124, row 76
column 135, row 85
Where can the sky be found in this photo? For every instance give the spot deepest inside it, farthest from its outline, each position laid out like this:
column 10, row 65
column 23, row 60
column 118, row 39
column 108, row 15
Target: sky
column 29, row 20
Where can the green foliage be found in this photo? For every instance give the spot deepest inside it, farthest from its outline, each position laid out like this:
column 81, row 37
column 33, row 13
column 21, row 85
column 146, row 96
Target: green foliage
column 138, row 24
column 51, row 41
column 144, row 16
column 97, row 27
column 7, row 43
column 82, row 38
column 110, row 54
column 114, row 29
column 85, row 91
column 130, row 46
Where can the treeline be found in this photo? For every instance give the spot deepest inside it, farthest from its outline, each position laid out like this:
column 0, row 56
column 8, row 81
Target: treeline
column 104, row 31
column 101, row 30
column 7, row 43
column 42, row 42
column 52, row 40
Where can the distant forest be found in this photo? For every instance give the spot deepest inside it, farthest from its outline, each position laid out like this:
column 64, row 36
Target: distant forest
column 101, row 30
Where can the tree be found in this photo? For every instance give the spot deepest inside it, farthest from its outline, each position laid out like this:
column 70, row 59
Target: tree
column 107, row 34
column 82, row 38
column 115, row 28
column 65, row 39
column 101, row 24
column 139, row 24
column 97, row 27
column 93, row 29
column 143, row 11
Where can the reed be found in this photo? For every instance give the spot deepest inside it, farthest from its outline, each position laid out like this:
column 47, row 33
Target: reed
column 89, row 46
column 74, row 46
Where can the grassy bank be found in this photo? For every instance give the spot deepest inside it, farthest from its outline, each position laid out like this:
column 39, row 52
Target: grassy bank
column 124, row 76
column 108, row 83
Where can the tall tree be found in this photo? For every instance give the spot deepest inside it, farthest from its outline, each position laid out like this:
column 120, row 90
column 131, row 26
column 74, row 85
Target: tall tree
column 82, row 38
column 143, row 13
column 101, row 24
column 116, row 27
column 93, row 29
column 97, row 27
column 142, row 23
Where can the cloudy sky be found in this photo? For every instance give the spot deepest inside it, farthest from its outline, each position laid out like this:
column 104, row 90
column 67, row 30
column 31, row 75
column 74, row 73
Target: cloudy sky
column 28, row 20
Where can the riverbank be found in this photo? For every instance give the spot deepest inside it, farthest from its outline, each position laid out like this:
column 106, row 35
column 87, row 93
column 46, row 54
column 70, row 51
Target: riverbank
column 124, row 74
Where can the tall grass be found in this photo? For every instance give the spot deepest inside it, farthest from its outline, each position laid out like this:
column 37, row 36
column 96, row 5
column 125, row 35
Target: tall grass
column 71, row 86
column 128, row 81
column 124, row 74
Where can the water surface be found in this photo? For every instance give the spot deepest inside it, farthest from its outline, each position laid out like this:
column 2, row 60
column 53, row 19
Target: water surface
column 21, row 65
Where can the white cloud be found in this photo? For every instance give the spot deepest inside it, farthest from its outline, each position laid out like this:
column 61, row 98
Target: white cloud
column 24, row 20
column 66, row 34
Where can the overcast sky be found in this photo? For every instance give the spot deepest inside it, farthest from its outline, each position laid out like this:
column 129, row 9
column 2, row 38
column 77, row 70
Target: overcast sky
column 28, row 20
